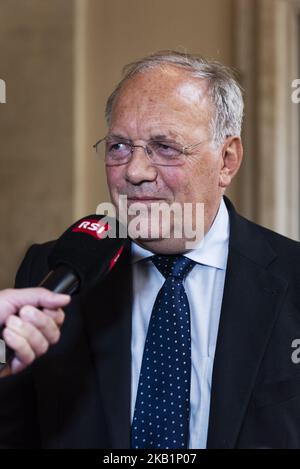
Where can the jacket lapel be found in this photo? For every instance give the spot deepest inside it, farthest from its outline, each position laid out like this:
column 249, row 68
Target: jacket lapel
column 252, row 299
column 107, row 315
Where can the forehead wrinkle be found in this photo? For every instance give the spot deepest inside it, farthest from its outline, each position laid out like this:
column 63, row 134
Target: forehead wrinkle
column 156, row 95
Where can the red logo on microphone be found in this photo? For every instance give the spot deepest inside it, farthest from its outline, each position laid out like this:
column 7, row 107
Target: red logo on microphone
column 93, row 227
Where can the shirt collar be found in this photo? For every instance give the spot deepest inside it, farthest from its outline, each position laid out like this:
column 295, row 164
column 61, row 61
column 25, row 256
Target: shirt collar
column 212, row 250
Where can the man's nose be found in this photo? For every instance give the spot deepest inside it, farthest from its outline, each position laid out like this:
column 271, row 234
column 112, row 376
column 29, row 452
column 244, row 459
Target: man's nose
column 140, row 168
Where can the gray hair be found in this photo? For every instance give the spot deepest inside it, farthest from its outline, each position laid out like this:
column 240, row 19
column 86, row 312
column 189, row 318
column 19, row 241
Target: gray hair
column 224, row 91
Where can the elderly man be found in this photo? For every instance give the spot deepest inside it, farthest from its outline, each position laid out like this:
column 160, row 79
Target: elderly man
column 178, row 348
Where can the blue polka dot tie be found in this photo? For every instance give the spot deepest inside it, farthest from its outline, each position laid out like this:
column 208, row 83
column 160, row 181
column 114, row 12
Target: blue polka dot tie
column 161, row 415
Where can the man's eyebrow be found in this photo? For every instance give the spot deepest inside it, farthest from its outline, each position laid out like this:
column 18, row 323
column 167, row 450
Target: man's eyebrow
column 164, row 137
column 169, row 137
column 121, row 137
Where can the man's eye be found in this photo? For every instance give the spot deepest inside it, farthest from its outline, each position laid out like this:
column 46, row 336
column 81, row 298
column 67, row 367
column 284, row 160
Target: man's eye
column 164, row 149
column 117, row 147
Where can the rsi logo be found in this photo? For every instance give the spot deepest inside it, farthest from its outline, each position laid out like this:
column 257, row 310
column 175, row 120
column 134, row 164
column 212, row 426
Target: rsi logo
column 93, row 227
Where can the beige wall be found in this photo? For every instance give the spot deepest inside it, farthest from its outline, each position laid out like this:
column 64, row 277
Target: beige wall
column 60, row 60
column 113, row 33
column 36, row 125
column 267, row 55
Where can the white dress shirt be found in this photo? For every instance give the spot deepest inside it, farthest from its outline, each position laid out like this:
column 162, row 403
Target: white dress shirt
column 204, row 288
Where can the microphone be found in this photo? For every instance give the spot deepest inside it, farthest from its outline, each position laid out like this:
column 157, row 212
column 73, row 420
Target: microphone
column 84, row 254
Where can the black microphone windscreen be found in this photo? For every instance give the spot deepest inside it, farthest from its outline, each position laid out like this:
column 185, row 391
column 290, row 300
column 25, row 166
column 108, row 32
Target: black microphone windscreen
column 90, row 247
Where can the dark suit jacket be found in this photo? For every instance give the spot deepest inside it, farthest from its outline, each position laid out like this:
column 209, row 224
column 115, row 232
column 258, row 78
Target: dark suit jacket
column 78, row 394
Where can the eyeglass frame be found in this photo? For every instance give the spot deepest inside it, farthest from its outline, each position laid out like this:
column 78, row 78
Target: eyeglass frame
column 183, row 150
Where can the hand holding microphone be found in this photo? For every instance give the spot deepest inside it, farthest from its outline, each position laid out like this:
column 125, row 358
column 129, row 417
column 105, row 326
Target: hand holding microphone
column 30, row 334
column 81, row 257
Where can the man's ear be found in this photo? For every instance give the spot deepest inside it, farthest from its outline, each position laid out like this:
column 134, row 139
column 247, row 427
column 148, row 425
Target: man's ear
column 232, row 155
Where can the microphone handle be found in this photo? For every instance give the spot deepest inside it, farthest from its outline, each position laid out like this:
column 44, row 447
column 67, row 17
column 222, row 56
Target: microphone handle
column 61, row 280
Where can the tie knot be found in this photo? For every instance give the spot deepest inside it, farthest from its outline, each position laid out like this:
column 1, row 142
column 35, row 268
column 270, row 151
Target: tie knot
column 173, row 266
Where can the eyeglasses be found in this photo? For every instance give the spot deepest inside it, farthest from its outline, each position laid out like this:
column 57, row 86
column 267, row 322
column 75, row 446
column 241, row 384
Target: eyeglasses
column 119, row 151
